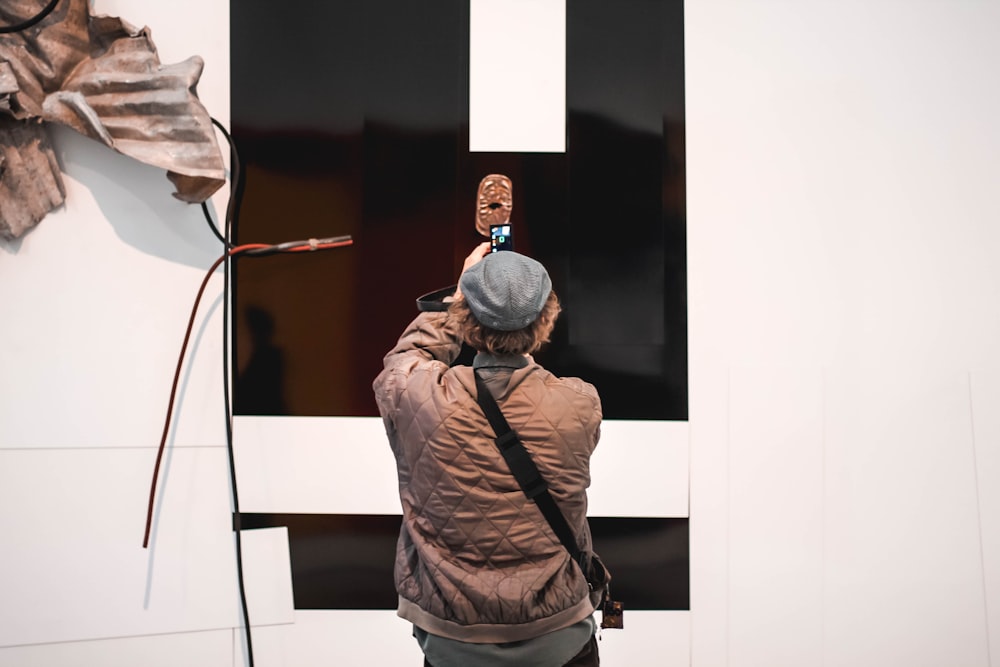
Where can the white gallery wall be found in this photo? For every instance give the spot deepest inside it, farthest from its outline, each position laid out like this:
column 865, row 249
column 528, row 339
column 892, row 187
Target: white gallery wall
column 843, row 230
column 843, row 160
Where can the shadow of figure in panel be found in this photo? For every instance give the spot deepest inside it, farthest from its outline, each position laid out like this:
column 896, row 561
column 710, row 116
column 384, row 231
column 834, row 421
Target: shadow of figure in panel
column 261, row 384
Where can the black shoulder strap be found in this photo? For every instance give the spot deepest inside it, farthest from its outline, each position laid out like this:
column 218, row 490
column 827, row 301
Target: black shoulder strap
column 526, row 472
column 435, row 301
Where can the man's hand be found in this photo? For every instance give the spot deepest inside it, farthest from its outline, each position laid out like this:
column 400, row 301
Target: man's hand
column 477, row 254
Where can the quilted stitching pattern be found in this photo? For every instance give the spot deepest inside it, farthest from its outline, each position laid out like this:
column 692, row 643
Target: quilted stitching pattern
column 472, row 548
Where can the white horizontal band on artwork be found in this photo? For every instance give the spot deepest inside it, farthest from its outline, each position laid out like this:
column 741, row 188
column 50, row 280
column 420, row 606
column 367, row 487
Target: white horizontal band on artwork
column 343, row 465
column 653, row 637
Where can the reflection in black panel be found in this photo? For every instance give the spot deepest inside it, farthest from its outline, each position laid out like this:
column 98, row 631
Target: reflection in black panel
column 345, row 561
column 626, row 257
column 371, row 139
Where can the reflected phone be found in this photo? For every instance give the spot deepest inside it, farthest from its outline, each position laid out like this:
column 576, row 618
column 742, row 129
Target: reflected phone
column 501, row 237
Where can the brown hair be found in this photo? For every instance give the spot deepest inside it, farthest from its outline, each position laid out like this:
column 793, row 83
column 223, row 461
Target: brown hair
column 521, row 341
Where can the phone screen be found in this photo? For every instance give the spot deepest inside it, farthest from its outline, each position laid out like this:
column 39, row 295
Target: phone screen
column 500, row 238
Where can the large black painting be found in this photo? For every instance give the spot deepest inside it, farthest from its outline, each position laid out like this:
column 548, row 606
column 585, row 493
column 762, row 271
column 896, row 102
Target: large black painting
column 371, row 139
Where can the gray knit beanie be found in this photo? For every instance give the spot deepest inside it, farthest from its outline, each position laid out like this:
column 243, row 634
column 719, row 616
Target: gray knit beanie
column 505, row 291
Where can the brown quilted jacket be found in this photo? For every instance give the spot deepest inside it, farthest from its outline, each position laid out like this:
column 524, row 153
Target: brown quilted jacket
column 476, row 561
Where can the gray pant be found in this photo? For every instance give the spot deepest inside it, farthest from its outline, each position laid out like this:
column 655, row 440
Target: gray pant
column 587, row 657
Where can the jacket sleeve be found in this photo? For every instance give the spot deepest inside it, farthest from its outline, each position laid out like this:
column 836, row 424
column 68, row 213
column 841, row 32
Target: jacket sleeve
column 423, row 353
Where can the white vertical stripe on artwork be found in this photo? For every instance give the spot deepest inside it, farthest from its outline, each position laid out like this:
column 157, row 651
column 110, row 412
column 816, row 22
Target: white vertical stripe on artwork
column 517, row 76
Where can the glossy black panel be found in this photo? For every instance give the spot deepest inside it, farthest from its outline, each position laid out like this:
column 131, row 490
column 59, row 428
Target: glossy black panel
column 362, row 141
column 626, row 267
column 345, row 561
column 371, row 140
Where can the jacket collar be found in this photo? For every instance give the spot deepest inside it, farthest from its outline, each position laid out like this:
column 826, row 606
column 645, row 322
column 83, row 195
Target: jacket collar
column 487, row 360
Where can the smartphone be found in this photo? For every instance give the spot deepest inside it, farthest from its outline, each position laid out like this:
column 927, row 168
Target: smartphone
column 501, row 238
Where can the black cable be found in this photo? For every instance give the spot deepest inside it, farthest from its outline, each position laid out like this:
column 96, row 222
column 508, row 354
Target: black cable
column 226, row 292
column 24, row 25
column 237, row 528
column 236, row 177
column 230, row 251
column 211, row 223
column 236, row 192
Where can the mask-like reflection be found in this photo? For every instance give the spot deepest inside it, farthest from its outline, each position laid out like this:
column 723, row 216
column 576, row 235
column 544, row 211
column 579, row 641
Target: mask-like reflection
column 494, row 202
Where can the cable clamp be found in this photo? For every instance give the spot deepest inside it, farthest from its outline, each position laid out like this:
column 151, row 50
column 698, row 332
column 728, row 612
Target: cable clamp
column 313, row 244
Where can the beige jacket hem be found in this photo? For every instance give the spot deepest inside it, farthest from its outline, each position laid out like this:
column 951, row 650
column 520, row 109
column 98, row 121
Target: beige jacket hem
column 493, row 633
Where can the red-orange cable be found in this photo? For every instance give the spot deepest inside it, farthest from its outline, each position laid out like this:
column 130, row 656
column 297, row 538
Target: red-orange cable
column 305, row 247
column 177, row 374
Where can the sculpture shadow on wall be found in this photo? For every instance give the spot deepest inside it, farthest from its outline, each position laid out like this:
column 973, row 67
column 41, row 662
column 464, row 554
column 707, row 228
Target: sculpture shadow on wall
column 135, row 200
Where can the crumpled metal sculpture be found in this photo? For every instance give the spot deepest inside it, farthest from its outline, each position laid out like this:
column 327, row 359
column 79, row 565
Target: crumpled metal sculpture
column 103, row 78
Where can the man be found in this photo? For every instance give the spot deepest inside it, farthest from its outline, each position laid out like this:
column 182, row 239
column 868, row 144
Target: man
column 479, row 572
